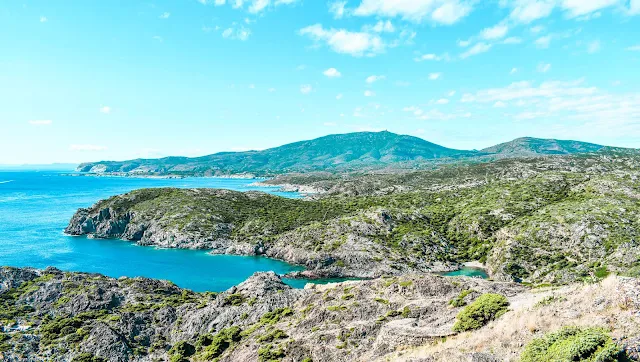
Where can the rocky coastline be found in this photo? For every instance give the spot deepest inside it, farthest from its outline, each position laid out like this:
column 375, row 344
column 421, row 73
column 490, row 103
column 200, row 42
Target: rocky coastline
column 55, row 315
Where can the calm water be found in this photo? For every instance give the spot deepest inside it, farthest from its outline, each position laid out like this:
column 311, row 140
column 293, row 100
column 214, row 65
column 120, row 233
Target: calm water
column 35, row 207
column 468, row 272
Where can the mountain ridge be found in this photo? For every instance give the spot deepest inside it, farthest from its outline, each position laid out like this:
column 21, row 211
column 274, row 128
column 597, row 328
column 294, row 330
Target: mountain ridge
column 337, row 152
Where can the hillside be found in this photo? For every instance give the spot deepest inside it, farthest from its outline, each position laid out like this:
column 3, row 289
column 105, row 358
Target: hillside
column 536, row 146
column 343, row 151
column 336, row 153
column 59, row 316
column 535, row 224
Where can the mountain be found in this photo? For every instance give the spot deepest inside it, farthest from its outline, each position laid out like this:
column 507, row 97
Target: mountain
column 537, row 146
column 341, row 151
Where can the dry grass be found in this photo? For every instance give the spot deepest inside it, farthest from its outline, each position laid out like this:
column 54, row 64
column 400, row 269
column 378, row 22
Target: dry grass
column 613, row 303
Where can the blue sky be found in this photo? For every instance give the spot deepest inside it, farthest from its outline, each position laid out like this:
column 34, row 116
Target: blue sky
column 94, row 80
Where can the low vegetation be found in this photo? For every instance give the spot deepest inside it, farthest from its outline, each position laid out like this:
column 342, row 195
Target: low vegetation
column 573, row 344
column 484, row 309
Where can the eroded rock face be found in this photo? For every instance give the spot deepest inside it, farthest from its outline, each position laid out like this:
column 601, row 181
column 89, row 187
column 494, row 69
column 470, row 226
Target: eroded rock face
column 141, row 319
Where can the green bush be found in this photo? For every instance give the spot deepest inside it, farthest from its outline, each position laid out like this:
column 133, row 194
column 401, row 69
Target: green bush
column 269, row 353
column 484, row 309
column 458, row 301
column 573, row 344
column 181, row 350
column 214, row 346
column 87, row 357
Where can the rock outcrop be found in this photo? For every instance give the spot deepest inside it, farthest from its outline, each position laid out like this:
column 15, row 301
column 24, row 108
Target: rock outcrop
column 53, row 315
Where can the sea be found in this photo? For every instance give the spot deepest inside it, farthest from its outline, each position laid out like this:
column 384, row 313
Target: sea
column 35, row 207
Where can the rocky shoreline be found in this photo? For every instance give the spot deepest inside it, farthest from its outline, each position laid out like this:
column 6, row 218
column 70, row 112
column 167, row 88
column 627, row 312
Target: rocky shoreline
column 54, row 315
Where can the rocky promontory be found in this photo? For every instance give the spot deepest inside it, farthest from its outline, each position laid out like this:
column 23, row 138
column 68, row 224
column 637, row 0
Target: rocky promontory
column 53, row 315
column 548, row 226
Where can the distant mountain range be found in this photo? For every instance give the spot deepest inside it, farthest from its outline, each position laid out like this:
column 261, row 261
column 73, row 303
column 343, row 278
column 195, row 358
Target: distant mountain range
column 334, row 152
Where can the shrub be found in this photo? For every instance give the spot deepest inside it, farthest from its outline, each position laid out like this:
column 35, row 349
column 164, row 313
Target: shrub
column 234, row 299
column 484, row 309
column 573, row 344
column 213, row 346
column 87, row 357
column 181, row 350
column 268, row 353
column 458, row 301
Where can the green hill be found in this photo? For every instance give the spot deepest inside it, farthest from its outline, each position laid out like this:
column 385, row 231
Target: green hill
column 342, row 151
column 538, row 146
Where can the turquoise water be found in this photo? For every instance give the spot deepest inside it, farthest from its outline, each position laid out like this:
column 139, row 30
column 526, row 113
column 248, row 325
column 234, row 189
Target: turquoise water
column 35, row 207
column 468, row 272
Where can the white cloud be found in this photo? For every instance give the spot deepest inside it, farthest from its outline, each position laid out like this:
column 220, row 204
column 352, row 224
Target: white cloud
column 374, row 78
column 339, row 96
column 526, row 11
column 435, row 76
column 384, row 27
column 157, row 38
column 346, row 42
column 451, row 12
column 634, row 48
column 433, row 57
column 512, row 40
column 543, row 68
column 254, row 6
column 634, row 7
column 476, row 49
column 464, row 43
column 41, row 122
column 369, row 93
column 271, row 90
column 543, row 42
column 594, row 47
column 252, row 86
column 495, row 32
column 165, row 15
column 91, row 148
column 332, row 73
column 499, row 104
column 537, row 29
column 525, row 90
column 576, row 8
column 513, row 71
column 306, row 88
column 437, row 11
column 337, row 9
column 43, row 19
column 241, row 33
column 451, row 94
column 105, row 109
column 442, row 101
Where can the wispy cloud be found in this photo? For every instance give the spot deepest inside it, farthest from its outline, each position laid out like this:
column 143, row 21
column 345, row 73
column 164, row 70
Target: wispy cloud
column 105, row 109
column 544, row 67
column 442, row 12
column 306, row 88
column 476, row 49
column 374, row 78
column 435, row 76
column 332, row 73
column 355, row 43
column 165, row 15
column 43, row 19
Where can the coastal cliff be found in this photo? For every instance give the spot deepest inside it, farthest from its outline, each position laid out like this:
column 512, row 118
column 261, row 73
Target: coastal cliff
column 549, row 227
column 53, row 315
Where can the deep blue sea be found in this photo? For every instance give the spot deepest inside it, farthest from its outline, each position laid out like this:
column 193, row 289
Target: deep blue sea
column 35, row 207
